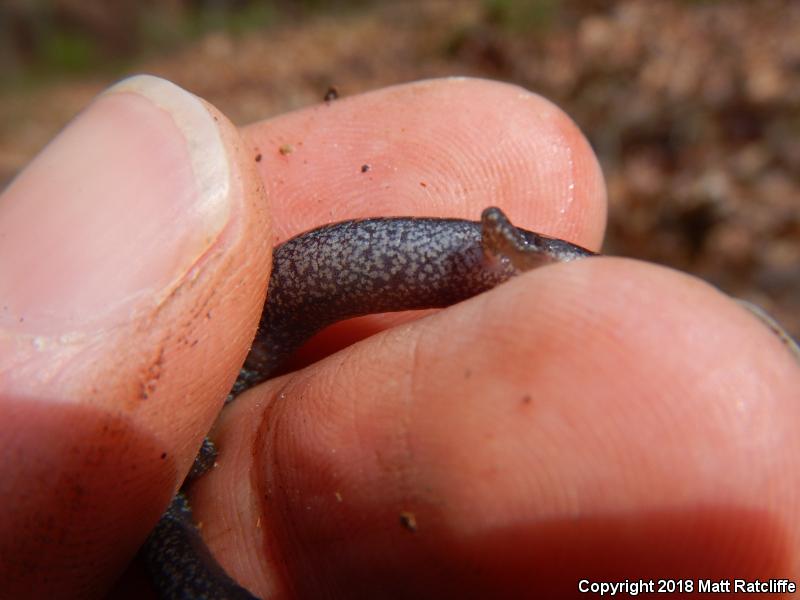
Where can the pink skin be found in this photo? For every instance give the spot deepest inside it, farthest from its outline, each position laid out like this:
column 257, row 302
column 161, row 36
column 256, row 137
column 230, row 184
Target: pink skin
column 124, row 321
column 601, row 419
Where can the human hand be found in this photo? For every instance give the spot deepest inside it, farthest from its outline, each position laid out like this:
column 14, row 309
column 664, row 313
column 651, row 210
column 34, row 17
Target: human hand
column 599, row 419
column 134, row 253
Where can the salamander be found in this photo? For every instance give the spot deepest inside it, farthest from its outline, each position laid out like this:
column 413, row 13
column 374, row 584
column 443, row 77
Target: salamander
column 336, row 272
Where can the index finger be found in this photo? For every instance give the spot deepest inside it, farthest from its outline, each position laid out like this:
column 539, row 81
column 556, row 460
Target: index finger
column 438, row 148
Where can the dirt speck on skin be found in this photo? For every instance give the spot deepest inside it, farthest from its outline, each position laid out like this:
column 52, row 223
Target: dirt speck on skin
column 365, row 168
column 331, row 95
column 151, row 375
column 408, row 521
column 258, row 157
column 286, row 149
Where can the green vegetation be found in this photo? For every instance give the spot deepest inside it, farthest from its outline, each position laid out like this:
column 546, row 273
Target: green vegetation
column 67, row 52
column 40, row 41
column 522, row 15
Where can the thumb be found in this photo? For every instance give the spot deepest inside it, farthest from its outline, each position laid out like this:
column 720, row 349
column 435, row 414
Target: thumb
column 134, row 255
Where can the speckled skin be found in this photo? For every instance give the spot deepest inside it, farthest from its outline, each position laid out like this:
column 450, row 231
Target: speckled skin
column 180, row 563
column 337, row 272
column 361, row 267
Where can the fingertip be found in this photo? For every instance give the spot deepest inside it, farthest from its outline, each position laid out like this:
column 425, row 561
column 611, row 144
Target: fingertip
column 604, row 404
column 141, row 254
column 648, row 378
column 143, row 209
column 444, row 147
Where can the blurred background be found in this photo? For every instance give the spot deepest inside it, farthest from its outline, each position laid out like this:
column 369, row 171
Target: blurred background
column 692, row 106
